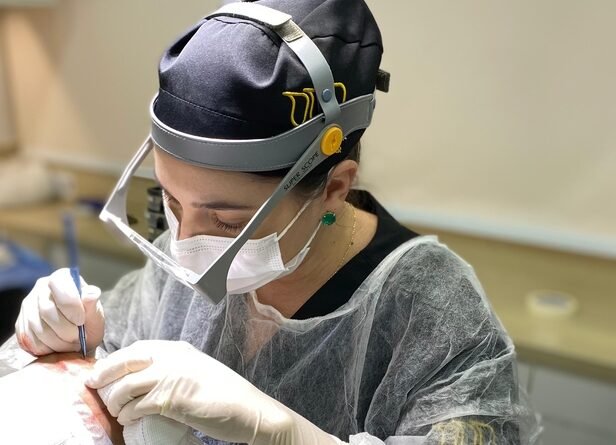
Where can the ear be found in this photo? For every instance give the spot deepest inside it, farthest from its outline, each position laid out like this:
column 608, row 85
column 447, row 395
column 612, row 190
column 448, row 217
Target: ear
column 339, row 184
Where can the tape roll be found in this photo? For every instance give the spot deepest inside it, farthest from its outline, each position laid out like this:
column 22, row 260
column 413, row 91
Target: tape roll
column 551, row 303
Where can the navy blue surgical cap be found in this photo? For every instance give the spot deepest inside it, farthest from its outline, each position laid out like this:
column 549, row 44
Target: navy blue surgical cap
column 232, row 78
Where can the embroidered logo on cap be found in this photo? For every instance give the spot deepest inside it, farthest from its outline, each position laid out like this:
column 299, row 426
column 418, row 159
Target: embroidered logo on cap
column 307, row 100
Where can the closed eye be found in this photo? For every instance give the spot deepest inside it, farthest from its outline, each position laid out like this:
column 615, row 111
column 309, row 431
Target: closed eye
column 227, row 227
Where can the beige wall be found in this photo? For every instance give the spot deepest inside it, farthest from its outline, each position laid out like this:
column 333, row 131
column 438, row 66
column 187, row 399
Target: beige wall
column 500, row 119
column 7, row 135
column 84, row 72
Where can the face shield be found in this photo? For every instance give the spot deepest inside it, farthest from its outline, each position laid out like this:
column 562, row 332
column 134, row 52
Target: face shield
column 301, row 149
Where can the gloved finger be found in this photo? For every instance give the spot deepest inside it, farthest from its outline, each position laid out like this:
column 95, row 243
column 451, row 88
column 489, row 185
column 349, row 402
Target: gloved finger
column 48, row 337
column 32, row 345
column 129, row 388
column 26, row 311
column 89, row 298
column 29, row 317
column 57, row 322
column 95, row 317
column 118, row 364
column 135, row 410
column 66, row 296
column 38, row 347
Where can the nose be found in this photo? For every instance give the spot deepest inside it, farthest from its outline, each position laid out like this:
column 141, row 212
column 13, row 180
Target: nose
column 190, row 225
column 181, row 232
column 185, row 231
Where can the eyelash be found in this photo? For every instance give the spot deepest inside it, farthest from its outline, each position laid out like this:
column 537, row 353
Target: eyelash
column 218, row 223
column 168, row 198
column 227, row 227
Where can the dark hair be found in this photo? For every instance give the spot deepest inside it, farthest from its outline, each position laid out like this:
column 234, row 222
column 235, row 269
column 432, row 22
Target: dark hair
column 314, row 182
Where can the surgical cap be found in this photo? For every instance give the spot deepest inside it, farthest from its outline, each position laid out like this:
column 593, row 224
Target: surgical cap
column 232, row 78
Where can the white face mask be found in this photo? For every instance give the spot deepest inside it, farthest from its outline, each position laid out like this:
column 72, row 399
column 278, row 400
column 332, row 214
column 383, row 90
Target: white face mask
column 257, row 263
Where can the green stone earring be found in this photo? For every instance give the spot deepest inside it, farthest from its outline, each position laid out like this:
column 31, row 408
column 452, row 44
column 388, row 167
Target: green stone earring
column 328, row 218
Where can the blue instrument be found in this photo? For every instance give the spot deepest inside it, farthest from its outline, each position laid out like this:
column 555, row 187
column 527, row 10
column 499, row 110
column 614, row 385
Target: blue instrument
column 71, row 243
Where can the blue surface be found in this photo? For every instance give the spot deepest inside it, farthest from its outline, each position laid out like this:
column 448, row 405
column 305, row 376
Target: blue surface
column 25, row 268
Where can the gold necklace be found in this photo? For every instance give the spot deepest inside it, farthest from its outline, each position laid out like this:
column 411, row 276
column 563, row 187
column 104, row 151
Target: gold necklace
column 348, row 247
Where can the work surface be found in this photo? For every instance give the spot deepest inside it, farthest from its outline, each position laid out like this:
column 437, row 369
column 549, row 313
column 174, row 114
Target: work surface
column 45, row 222
column 585, row 343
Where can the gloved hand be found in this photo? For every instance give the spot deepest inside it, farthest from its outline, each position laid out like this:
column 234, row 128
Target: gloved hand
column 180, row 382
column 51, row 312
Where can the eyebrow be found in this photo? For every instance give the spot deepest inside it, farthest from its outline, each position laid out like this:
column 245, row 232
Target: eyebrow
column 211, row 205
column 221, row 205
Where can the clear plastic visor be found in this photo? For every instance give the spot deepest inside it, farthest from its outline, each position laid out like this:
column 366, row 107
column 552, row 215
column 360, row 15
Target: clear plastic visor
column 135, row 211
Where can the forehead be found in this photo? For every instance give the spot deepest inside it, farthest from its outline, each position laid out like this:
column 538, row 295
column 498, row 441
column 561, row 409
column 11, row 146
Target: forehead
column 172, row 172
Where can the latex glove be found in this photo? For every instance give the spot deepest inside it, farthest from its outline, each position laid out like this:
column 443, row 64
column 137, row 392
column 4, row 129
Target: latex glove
column 176, row 380
column 51, row 312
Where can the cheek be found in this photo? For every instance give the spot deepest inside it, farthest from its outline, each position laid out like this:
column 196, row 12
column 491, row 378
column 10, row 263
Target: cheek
column 297, row 237
column 288, row 248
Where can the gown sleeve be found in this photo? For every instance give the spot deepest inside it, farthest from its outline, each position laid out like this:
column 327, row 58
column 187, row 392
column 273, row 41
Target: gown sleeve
column 131, row 305
column 452, row 376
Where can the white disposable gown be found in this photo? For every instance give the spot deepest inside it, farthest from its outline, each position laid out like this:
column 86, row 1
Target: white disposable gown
column 415, row 356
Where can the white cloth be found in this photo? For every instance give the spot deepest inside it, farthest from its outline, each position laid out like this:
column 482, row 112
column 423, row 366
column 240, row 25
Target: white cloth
column 53, row 413
column 12, row 357
column 159, row 430
column 415, row 356
column 40, row 407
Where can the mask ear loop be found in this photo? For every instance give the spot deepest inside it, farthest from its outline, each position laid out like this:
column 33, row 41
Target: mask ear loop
column 295, row 218
column 314, row 233
column 304, row 207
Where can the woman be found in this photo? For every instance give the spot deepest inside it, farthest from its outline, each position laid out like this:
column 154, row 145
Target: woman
column 333, row 323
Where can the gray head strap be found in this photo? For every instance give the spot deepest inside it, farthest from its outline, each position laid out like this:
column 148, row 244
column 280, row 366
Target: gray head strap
column 278, row 152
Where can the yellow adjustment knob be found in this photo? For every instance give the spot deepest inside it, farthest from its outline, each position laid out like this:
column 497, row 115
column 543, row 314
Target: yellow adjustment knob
column 332, row 139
